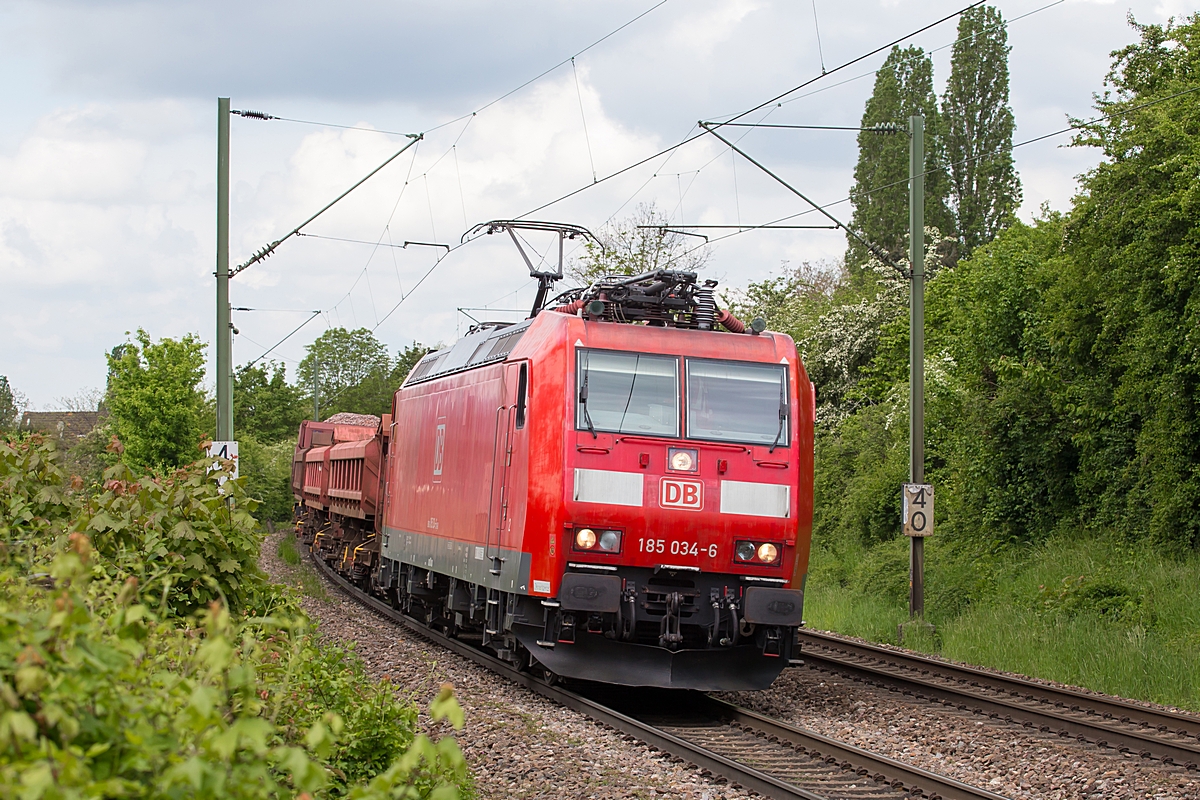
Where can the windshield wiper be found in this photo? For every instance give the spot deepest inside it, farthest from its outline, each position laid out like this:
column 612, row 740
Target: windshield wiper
column 583, row 396
column 783, row 412
column 632, row 385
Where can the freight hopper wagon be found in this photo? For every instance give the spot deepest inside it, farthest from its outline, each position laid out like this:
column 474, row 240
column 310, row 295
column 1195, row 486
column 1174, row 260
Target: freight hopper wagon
column 336, row 485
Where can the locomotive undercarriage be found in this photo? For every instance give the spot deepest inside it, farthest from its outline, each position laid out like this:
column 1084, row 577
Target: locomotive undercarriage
column 670, row 631
column 635, row 626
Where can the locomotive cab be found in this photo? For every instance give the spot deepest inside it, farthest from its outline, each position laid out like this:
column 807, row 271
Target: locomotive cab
column 686, row 508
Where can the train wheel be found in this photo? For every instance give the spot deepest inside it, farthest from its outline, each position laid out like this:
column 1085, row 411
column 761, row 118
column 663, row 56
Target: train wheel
column 524, row 661
column 546, row 676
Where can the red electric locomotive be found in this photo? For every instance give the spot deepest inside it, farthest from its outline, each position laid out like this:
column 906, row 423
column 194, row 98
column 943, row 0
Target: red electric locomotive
column 612, row 490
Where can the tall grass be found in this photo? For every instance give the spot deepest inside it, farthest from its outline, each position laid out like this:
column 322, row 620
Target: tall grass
column 1099, row 613
column 306, row 577
column 287, row 550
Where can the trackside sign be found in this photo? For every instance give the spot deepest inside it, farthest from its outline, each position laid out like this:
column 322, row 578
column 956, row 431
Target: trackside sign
column 226, row 451
column 917, row 514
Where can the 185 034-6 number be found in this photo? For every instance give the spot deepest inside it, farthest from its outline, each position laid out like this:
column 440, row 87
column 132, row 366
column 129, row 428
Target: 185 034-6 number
column 675, row 547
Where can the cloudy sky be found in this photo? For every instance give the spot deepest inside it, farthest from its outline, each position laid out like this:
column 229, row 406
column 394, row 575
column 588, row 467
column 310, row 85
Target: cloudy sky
column 107, row 149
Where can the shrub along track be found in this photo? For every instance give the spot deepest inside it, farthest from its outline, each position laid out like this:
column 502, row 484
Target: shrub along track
column 747, row 749
column 1171, row 737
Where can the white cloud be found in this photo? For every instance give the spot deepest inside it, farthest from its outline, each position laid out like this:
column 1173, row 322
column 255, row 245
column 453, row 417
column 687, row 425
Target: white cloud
column 107, row 174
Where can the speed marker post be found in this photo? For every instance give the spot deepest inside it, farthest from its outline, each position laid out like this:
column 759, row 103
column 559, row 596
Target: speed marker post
column 916, row 521
column 225, row 451
column 917, row 514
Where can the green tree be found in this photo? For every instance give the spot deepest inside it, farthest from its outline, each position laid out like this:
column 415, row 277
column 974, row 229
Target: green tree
column 635, row 245
column 903, row 87
column 1010, row 455
column 1126, row 305
column 155, row 399
column 406, row 359
column 267, row 470
column 10, row 406
column 352, row 371
column 265, row 405
column 978, row 130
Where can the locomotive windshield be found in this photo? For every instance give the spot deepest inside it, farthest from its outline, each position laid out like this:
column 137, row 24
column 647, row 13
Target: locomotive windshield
column 736, row 401
column 630, row 393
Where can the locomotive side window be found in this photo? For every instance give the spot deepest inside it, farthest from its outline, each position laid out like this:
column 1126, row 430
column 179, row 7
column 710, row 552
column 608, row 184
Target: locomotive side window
column 632, row 393
column 735, row 401
column 522, row 390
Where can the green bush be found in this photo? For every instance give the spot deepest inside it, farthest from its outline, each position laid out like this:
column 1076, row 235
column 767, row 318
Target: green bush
column 267, row 469
column 142, row 654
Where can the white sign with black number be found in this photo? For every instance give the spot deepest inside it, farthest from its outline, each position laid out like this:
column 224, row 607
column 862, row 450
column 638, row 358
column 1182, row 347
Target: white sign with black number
column 226, row 451
column 917, row 515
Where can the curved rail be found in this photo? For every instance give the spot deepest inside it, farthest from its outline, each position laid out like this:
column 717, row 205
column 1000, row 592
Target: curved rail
column 1105, row 721
column 761, row 754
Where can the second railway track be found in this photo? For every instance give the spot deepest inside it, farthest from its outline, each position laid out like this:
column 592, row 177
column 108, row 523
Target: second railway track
column 747, row 749
column 1106, row 721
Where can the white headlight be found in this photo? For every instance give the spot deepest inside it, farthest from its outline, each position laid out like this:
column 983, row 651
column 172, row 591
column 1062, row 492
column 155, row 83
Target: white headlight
column 683, row 460
column 767, row 553
column 585, row 538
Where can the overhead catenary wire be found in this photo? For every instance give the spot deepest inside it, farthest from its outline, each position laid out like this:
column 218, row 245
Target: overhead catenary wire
column 587, row 139
column 1002, row 24
column 270, row 349
column 686, row 140
column 570, row 59
column 777, row 98
column 854, row 61
column 817, row 28
column 267, row 250
column 1081, row 125
column 874, row 249
column 562, row 63
column 379, row 242
column 667, row 151
column 350, row 241
column 387, row 232
column 883, row 127
column 469, row 117
column 462, row 198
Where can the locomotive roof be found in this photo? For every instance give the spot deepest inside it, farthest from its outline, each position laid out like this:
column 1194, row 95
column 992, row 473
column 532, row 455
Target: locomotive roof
column 473, row 350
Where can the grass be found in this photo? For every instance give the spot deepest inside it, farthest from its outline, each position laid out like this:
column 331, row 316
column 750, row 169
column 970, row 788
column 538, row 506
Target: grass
column 307, row 579
column 1102, row 614
column 287, row 550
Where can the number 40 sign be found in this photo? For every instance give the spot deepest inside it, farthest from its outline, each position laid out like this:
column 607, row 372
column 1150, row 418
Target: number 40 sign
column 917, row 515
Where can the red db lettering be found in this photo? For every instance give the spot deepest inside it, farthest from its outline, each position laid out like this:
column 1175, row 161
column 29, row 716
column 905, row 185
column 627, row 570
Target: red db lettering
column 681, row 494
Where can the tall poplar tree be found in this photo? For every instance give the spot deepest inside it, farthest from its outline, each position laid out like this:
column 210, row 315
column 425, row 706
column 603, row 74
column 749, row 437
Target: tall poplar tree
column 903, row 87
column 978, row 126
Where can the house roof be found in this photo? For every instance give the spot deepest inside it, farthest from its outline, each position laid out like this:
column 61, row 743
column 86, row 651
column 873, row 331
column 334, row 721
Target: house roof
column 66, row 426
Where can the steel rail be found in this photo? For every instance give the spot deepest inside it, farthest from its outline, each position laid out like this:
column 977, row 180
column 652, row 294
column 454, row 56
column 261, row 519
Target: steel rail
column 882, row 769
column 1060, row 709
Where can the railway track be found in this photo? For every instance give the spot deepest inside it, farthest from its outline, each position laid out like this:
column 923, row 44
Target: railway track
column 766, row 756
column 1108, row 722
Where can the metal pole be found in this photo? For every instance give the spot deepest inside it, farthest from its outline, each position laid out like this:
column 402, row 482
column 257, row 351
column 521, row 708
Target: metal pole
column 316, row 388
column 916, row 350
column 224, row 323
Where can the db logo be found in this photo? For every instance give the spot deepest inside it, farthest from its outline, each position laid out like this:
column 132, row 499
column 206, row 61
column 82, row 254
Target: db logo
column 681, row 494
